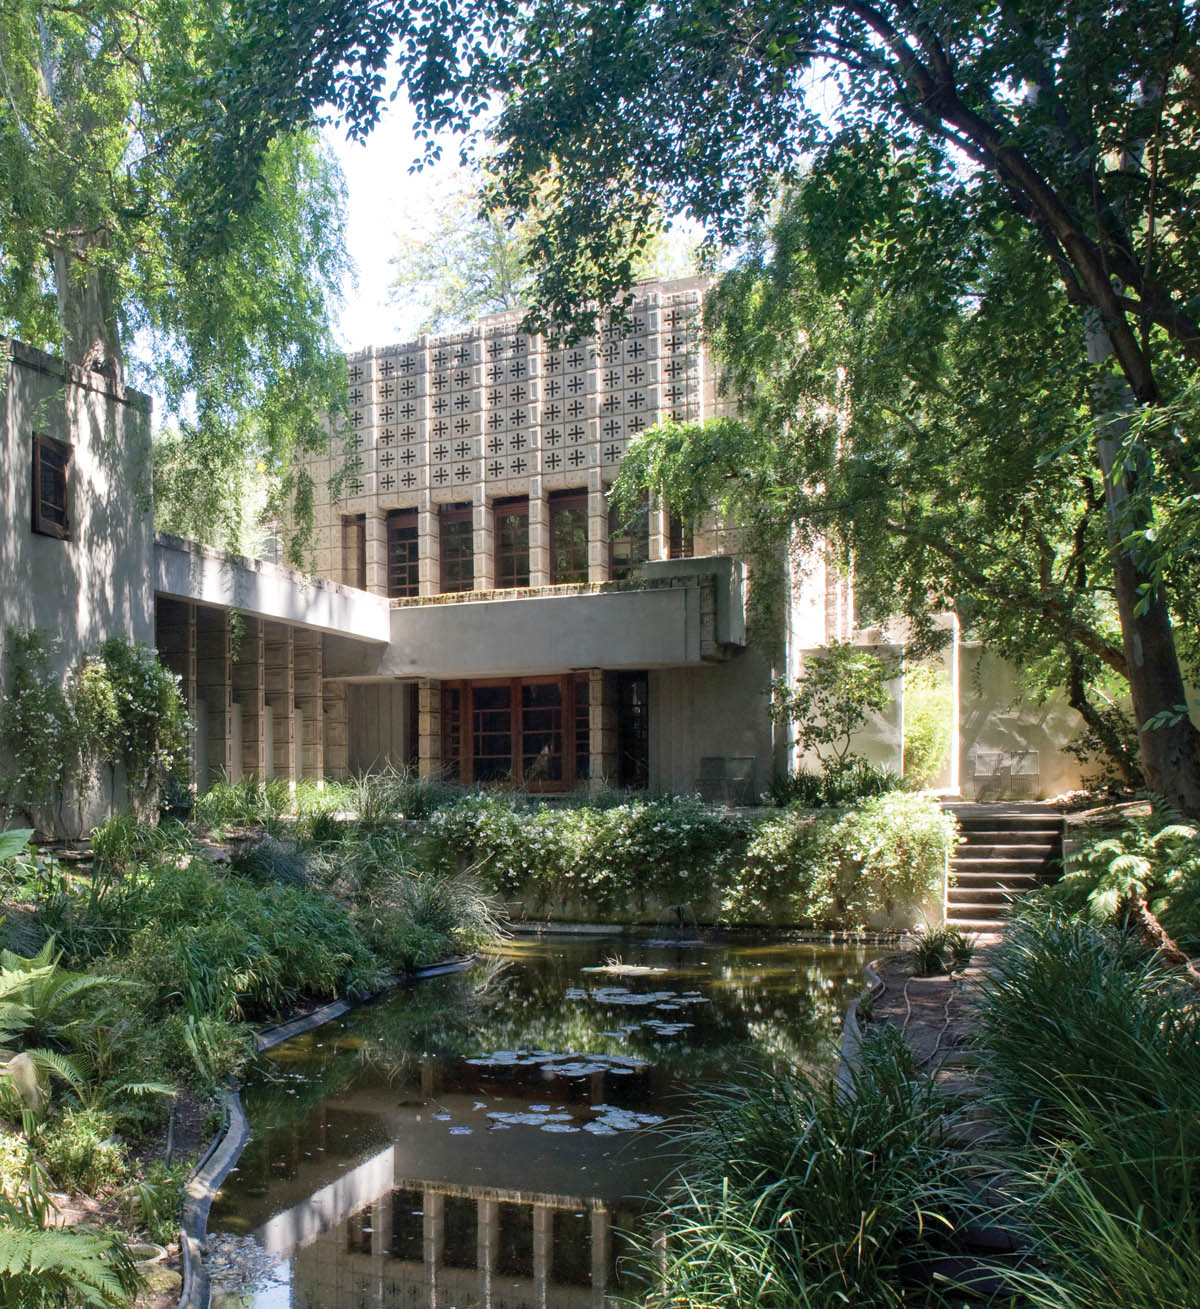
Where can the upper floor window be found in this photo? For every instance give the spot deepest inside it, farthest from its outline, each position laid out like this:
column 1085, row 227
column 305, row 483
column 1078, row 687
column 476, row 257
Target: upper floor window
column 511, row 519
column 354, row 550
column 568, row 537
column 402, row 558
column 49, row 485
column 681, row 542
column 628, row 542
column 457, row 547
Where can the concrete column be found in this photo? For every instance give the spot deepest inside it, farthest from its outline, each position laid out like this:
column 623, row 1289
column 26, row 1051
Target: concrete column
column 483, row 542
column 488, row 1224
column 175, row 638
column 214, row 686
column 336, row 733
column 601, row 1227
column 598, row 540
column 279, row 659
column 435, row 1230
column 309, row 664
column 660, row 530
column 539, row 535
column 543, row 1243
column 429, row 727
column 249, row 693
column 376, row 553
column 428, row 548
column 602, row 731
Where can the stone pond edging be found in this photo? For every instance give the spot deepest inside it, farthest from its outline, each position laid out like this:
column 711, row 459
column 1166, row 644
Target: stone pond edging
column 225, row 1149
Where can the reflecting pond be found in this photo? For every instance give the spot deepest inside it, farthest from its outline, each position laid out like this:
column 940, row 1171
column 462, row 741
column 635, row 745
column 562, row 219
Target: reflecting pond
column 483, row 1138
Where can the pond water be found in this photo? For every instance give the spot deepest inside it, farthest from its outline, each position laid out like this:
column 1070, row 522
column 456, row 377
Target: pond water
column 483, row 1138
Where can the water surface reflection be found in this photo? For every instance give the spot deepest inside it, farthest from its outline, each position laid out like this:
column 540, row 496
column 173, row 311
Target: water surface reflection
column 481, row 1139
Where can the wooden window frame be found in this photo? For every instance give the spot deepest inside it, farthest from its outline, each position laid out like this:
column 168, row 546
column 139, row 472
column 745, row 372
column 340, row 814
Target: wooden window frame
column 514, row 506
column 681, row 538
column 403, row 520
column 451, row 515
column 570, row 684
column 565, row 502
column 46, row 526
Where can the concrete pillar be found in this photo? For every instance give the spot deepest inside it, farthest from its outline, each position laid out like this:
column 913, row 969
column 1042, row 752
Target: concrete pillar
column 175, row 638
column 309, row 664
column 488, row 1226
column 280, row 671
column 429, row 727
column 434, row 1233
column 598, row 540
column 660, row 530
column 249, row 693
column 429, row 555
column 602, row 731
column 601, row 1227
column 376, row 553
column 336, row 733
column 543, row 1243
column 483, row 542
column 214, row 686
column 539, row 535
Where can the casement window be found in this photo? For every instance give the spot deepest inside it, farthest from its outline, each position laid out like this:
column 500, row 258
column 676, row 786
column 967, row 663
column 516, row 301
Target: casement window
column 628, row 542
column 403, row 572
column 681, row 542
column 51, row 509
column 511, row 523
column 530, row 731
column 354, row 550
column 633, row 730
column 456, row 536
column 568, row 537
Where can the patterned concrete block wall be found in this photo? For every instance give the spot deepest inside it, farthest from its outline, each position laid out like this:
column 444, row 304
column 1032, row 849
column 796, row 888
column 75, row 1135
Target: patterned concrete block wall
column 480, row 415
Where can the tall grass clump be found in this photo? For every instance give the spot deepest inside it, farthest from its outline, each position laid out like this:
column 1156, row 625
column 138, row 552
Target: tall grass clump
column 804, row 1196
column 1091, row 1051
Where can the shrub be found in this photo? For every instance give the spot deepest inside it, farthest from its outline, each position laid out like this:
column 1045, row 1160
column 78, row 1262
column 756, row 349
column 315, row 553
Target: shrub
column 1147, row 858
column 941, row 950
column 789, row 869
column 266, row 860
column 855, row 780
column 795, row 1195
column 78, row 1149
column 928, row 718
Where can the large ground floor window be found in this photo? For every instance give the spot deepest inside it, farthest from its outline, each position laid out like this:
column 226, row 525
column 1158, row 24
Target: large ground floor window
column 525, row 731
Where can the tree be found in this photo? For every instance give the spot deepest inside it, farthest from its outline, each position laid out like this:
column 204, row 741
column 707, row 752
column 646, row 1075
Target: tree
column 1081, row 118
column 914, row 393
column 104, row 254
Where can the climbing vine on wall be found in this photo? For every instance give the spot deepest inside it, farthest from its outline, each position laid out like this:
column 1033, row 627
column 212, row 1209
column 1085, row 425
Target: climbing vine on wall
column 118, row 705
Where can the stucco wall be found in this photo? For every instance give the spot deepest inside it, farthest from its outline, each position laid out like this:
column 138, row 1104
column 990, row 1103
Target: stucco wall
column 998, row 717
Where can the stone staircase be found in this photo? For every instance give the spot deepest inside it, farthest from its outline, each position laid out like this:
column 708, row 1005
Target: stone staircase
column 1007, row 849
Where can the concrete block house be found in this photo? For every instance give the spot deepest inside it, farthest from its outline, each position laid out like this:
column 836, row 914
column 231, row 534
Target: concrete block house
column 475, row 611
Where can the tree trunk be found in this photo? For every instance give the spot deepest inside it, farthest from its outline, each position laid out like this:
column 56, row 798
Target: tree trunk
column 87, row 308
column 1117, row 749
column 1170, row 753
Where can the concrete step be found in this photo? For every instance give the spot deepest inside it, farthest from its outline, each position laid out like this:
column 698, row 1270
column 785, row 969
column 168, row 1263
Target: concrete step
column 1002, row 823
column 1013, row 850
column 997, row 895
column 1015, row 881
column 1013, row 836
column 967, row 919
column 970, row 864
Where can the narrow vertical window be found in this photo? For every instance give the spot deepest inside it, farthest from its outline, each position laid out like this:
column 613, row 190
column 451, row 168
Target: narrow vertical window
column 568, row 537
column 628, row 542
column 681, row 543
column 511, row 521
column 49, row 486
column 458, row 549
column 354, row 550
column 633, row 730
column 402, row 559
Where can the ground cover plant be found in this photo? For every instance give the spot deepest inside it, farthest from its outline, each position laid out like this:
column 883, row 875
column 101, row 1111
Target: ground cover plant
column 1091, row 1055
column 804, row 1195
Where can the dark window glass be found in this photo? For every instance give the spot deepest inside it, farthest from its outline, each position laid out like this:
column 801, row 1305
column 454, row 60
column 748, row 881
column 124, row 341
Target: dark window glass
column 568, row 537
column 452, row 732
column 49, row 487
column 514, row 1245
column 491, row 733
column 681, row 544
column 583, row 755
column 354, row 550
column 542, row 731
column 359, row 1232
column 628, row 542
column 458, row 550
column 633, row 730
column 512, row 542
column 408, row 1226
column 571, row 1259
column 402, row 567
column 460, row 1227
